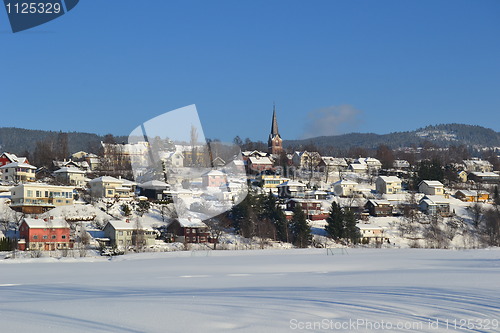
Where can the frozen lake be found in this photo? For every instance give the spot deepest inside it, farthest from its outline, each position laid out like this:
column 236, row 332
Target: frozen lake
column 396, row 290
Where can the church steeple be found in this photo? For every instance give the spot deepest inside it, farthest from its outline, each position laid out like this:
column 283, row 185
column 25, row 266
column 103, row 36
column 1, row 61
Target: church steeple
column 274, row 126
column 274, row 143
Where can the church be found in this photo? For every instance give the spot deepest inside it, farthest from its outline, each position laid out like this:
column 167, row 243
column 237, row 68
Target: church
column 274, row 143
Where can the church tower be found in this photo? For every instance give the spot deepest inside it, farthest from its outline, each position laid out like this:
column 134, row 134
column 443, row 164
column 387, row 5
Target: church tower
column 274, row 144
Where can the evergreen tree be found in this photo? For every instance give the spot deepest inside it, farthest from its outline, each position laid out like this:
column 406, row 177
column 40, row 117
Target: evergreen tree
column 300, row 229
column 271, row 212
column 352, row 232
column 335, row 227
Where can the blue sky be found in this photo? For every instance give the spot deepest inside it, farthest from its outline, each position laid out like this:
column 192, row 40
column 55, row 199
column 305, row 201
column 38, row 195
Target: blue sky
column 331, row 66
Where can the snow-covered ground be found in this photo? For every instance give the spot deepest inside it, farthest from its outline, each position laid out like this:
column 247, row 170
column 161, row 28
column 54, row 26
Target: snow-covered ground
column 366, row 290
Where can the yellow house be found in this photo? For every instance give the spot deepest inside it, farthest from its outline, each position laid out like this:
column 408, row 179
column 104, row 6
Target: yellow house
column 462, row 176
column 271, row 181
column 36, row 198
column 111, row 187
column 388, row 184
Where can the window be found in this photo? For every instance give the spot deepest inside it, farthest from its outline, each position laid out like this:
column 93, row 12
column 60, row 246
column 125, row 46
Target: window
column 53, row 237
column 120, row 233
column 110, row 192
column 63, row 236
column 45, row 237
column 29, row 193
column 35, row 237
column 38, row 194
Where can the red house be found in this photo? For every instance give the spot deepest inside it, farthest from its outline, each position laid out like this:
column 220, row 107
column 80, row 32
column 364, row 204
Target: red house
column 7, row 158
column 44, row 235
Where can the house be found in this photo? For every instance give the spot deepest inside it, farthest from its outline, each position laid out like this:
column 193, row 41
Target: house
column 317, row 194
column 153, row 189
column 110, row 187
column 44, row 234
column 434, row 204
column 358, row 168
column 93, row 161
column 291, row 189
column 477, row 165
column 306, row 159
column 83, row 165
column 70, row 176
column 363, row 165
column 431, row 187
column 472, row 196
column 484, row 177
column 345, row 188
column 189, row 230
column 172, row 159
column 401, row 164
column 332, row 164
column 379, row 207
column 126, row 233
column 462, row 176
column 213, row 178
column 8, row 158
column 388, row 184
column 271, row 181
column 258, row 164
column 18, row 172
column 312, row 208
column 36, row 198
column 372, row 234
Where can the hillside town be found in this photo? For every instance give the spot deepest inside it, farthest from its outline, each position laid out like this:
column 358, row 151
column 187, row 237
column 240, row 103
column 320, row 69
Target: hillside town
column 118, row 201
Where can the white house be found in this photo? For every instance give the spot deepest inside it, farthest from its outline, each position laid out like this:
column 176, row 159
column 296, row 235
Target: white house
column 70, row 176
column 18, row 172
column 431, row 187
column 111, row 187
column 345, row 188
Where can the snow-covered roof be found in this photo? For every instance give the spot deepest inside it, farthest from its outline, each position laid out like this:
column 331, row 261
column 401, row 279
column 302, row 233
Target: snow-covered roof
column 154, row 184
column 435, row 199
column 191, row 223
column 69, row 170
column 345, row 182
column 357, row 166
column 390, row 179
column 18, row 165
column 124, row 225
column 214, row 173
column 485, row 174
column 432, row 183
column 260, row 160
column 467, row 193
column 379, row 202
column 40, row 223
column 106, row 179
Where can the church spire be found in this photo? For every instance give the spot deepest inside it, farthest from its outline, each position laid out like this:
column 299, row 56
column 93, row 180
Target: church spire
column 274, row 126
column 275, row 141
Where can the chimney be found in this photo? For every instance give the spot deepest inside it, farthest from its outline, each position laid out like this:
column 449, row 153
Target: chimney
column 127, row 221
column 52, row 217
column 45, row 220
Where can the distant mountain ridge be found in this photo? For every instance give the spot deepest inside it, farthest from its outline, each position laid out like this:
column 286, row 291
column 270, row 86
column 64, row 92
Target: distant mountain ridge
column 20, row 140
column 440, row 135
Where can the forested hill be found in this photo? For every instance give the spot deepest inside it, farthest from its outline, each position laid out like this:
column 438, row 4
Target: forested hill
column 440, row 135
column 18, row 140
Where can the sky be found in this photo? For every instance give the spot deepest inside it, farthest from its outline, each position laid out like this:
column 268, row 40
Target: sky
column 331, row 66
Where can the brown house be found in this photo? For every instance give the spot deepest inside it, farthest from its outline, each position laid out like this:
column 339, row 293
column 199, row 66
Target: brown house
column 189, row 230
column 379, row 207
